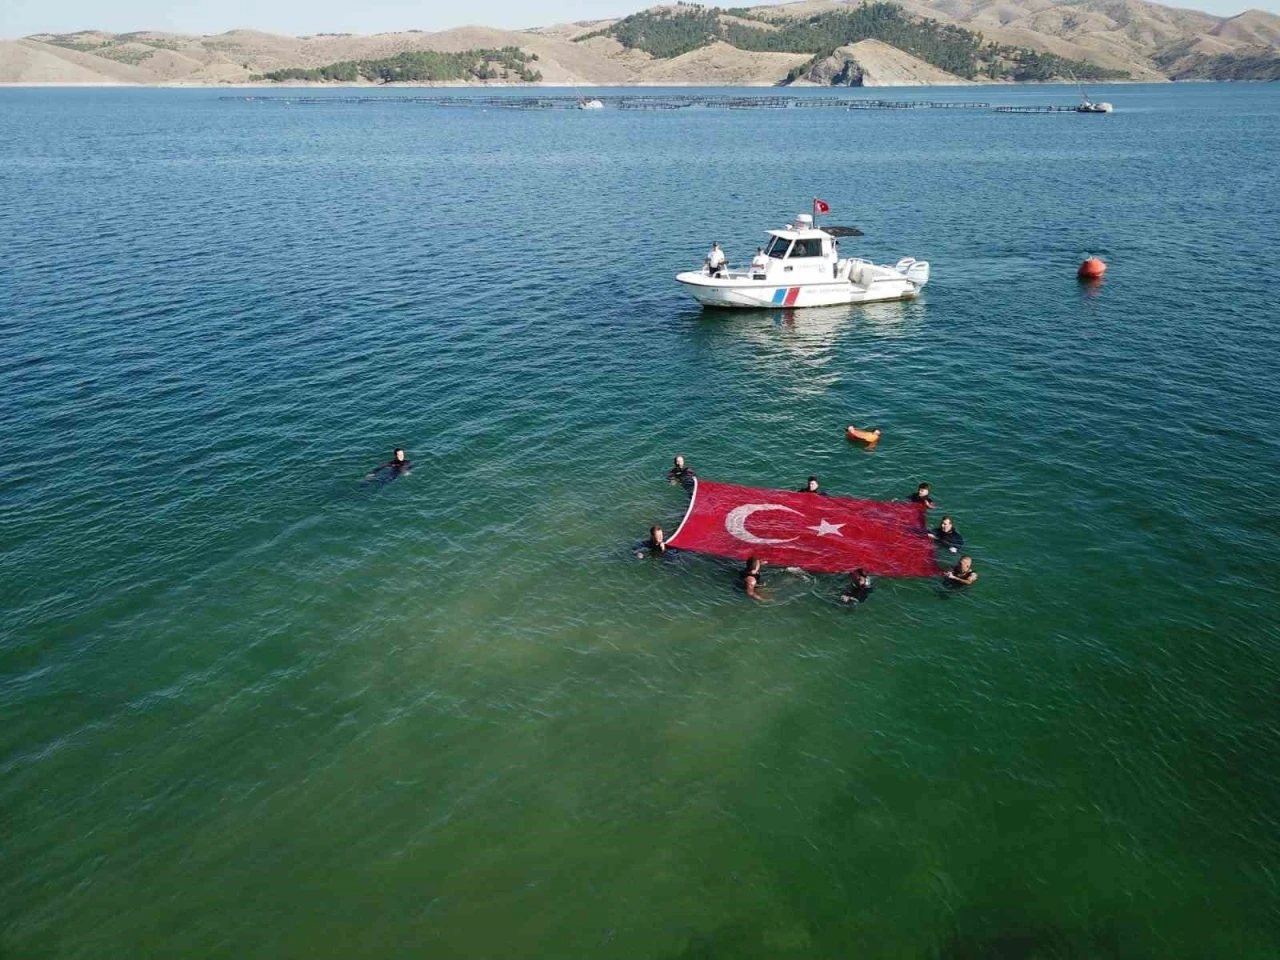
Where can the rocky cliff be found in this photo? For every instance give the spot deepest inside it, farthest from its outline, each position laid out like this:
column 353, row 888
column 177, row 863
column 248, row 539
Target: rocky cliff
column 871, row 63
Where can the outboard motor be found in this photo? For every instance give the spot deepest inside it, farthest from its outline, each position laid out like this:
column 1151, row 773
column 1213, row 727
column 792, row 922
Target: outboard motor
column 917, row 271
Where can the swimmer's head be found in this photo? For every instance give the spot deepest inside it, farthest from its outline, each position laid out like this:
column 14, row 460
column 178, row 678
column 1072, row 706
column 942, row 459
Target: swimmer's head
column 753, row 564
column 398, row 453
column 947, row 525
column 923, row 490
column 679, row 460
column 655, row 534
column 860, row 576
column 813, row 484
column 965, row 563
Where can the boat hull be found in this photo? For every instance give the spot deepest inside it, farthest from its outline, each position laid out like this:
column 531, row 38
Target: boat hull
column 759, row 294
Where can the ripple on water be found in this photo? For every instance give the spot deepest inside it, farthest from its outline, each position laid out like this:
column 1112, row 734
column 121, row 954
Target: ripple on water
column 250, row 703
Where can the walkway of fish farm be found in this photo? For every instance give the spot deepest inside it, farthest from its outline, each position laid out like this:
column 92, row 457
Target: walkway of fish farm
column 625, row 102
column 1039, row 110
column 648, row 102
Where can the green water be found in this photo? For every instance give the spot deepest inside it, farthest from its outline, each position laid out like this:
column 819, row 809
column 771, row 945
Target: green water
column 251, row 706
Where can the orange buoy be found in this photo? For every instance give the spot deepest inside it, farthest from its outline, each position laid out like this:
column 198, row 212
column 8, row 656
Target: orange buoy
column 869, row 437
column 1091, row 269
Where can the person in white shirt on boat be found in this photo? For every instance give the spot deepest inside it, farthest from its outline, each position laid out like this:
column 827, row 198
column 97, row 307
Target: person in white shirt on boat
column 759, row 264
column 715, row 260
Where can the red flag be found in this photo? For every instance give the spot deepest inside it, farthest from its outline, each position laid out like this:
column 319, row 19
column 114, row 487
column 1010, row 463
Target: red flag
column 820, row 206
column 809, row 530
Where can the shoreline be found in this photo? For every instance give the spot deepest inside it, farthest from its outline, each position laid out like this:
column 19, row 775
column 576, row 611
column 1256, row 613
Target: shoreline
column 559, row 85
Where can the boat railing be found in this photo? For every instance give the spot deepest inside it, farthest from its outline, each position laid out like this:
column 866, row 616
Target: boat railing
column 745, row 273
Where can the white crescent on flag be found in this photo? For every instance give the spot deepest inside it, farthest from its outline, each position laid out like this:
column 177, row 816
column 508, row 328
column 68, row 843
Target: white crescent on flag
column 735, row 521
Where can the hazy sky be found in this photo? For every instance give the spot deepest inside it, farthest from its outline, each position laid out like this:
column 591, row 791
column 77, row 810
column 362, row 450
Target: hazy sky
column 21, row 17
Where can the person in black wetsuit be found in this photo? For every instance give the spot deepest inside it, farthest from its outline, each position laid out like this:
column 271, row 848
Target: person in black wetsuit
column 392, row 468
column 922, row 496
column 962, row 574
column 811, row 487
column 947, row 535
column 859, row 588
column 680, row 473
column 751, row 579
column 655, row 546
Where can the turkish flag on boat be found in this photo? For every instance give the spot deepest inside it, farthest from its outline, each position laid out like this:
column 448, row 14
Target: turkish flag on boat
column 809, row 530
column 820, row 206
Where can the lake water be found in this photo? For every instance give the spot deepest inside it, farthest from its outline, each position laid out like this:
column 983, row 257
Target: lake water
column 253, row 707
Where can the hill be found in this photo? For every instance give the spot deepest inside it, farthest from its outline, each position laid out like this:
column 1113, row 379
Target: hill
column 1118, row 34
column 873, row 63
column 670, row 32
column 981, row 40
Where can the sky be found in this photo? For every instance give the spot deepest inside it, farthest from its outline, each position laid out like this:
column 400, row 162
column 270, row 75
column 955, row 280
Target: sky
column 19, row 18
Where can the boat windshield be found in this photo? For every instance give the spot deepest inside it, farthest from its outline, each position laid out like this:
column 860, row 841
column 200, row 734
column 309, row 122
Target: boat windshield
column 807, row 248
column 778, row 247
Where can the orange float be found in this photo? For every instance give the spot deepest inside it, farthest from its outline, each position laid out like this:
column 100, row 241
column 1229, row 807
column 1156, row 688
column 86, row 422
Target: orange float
column 868, row 437
column 1091, row 269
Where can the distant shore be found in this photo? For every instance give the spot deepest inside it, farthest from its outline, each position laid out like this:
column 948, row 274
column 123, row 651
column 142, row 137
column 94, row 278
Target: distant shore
column 562, row 85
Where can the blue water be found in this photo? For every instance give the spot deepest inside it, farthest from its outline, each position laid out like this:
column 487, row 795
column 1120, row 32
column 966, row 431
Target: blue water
column 253, row 706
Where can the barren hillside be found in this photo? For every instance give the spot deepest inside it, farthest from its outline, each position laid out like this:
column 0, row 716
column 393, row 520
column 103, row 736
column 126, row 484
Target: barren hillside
column 723, row 65
column 1122, row 34
column 870, row 63
column 757, row 45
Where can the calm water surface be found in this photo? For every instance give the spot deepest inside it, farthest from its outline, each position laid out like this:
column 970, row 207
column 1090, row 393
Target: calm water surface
column 252, row 707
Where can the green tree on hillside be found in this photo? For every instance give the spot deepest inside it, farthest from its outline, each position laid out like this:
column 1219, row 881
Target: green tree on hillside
column 421, row 66
column 664, row 33
column 669, row 33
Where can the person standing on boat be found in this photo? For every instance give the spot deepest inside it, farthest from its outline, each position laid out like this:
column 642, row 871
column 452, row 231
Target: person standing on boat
column 759, row 264
column 715, row 260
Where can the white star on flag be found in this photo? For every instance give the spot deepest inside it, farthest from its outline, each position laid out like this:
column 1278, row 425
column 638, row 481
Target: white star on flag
column 825, row 528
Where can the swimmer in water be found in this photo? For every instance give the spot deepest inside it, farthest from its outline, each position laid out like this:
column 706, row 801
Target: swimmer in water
column 392, row 468
column 679, row 472
column 859, row 588
column 751, row 579
column 922, row 496
column 962, row 574
column 811, row 487
column 655, row 546
column 947, row 535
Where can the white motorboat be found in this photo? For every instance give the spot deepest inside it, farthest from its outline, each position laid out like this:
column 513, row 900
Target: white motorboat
column 1091, row 106
column 802, row 267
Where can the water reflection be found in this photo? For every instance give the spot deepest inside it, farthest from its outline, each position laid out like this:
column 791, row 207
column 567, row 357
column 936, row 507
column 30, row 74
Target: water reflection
column 1091, row 287
column 794, row 350
column 811, row 331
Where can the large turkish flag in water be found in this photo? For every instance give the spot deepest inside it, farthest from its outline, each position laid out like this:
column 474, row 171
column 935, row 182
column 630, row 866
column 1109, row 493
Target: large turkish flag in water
column 808, row 530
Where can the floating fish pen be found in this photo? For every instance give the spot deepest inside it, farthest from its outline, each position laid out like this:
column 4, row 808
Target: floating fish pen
column 862, row 104
column 618, row 102
column 646, row 102
column 1054, row 109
